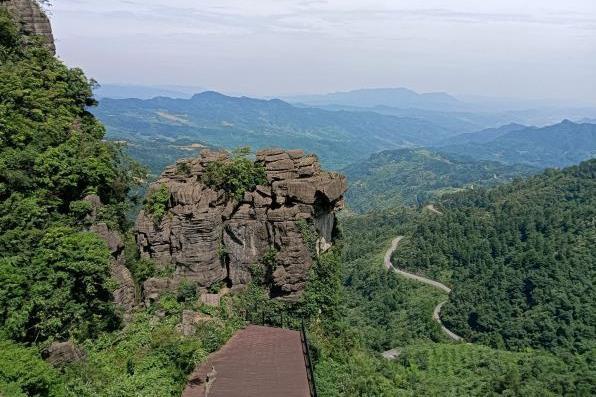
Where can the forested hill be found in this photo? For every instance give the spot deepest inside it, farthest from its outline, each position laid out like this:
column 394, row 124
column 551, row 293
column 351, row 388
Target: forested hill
column 338, row 137
column 412, row 176
column 558, row 145
column 521, row 259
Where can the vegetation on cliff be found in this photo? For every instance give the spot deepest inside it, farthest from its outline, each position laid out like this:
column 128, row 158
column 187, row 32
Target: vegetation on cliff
column 236, row 175
column 53, row 275
column 156, row 203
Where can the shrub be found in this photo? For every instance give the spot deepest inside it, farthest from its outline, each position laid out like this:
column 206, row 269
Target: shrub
column 309, row 235
column 24, row 373
column 157, row 203
column 187, row 291
column 216, row 287
column 183, row 168
column 236, row 175
column 142, row 269
column 80, row 209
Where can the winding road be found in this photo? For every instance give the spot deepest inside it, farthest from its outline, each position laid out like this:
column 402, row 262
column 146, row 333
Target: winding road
column 432, row 283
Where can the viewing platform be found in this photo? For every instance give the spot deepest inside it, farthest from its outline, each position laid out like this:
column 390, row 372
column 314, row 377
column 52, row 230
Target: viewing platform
column 257, row 361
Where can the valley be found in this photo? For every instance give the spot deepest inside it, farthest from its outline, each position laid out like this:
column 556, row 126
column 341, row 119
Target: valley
column 437, row 310
column 374, row 242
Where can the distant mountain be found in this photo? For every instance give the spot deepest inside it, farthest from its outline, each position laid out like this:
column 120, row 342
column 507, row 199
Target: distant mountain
column 485, row 135
column 412, row 176
column 338, row 137
column 557, row 145
column 391, row 97
column 123, row 91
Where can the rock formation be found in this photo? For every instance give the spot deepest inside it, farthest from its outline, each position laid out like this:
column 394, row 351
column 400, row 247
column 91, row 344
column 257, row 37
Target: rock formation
column 208, row 237
column 125, row 293
column 62, row 353
column 32, row 19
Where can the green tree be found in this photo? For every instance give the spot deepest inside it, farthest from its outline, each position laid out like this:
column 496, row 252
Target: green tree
column 236, row 175
column 61, row 293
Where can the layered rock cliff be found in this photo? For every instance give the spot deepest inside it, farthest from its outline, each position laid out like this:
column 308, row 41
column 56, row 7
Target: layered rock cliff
column 32, row 19
column 207, row 237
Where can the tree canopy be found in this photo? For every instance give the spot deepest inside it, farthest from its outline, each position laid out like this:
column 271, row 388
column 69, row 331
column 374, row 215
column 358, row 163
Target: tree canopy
column 52, row 155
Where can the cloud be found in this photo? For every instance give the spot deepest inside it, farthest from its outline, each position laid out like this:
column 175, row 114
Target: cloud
column 335, row 44
column 338, row 18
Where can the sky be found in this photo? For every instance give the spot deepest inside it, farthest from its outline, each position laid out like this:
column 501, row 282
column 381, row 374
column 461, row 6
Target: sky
column 506, row 48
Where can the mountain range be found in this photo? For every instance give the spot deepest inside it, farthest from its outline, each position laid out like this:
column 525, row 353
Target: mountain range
column 392, row 97
column 502, row 110
column 123, row 91
column 338, row 137
column 557, row 145
column 161, row 129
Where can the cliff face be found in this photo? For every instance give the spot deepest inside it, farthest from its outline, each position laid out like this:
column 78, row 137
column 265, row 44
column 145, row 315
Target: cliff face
column 32, row 19
column 208, row 237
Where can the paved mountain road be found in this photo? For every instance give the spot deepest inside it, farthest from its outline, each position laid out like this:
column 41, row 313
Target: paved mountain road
column 428, row 281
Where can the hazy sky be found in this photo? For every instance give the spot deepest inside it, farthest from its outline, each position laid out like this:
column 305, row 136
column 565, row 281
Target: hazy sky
column 513, row 48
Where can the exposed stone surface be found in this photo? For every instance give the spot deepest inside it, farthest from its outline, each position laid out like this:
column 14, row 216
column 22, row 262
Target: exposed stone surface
column 62, row 353
column 190, row 321
column 209, row 237
column 125, row 293
column 32, row 19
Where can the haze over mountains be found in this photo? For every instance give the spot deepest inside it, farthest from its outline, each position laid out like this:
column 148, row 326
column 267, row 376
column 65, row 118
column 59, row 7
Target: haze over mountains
column 123, row 91
column 338, row 137
column 162, row 129
column 558, row 145
column 394, row 97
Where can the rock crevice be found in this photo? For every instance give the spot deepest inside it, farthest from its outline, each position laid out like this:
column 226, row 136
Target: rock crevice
column 209, row 237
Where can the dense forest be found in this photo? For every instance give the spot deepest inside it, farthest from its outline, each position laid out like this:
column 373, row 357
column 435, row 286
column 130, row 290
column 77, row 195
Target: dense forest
column 395, row 178
column 520, row 258
column 382, row 311
column 51, row 157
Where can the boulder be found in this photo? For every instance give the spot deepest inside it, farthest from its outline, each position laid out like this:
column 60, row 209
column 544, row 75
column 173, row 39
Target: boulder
column 190, row 321
column 61, row 353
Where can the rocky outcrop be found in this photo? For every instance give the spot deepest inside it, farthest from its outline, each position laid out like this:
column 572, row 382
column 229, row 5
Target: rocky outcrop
column 32, row 19
column 190, row 321
column 208, row 237
column 125, row 292
column 62, row 353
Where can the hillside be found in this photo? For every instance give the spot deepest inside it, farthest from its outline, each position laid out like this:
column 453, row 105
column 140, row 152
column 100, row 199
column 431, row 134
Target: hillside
column 338, row 137
column 381, row 310
column 519, row 258
column 558, row 145
column 483, row 136
column 393, row 178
